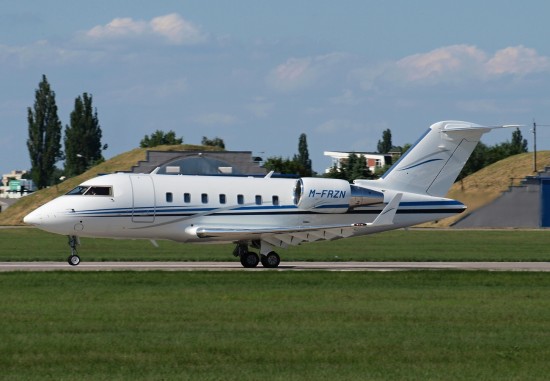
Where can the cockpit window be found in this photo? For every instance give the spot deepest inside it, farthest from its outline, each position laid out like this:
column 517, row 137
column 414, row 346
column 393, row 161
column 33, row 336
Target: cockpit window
column 91, row 191
column 79, row 190
column 99, row 191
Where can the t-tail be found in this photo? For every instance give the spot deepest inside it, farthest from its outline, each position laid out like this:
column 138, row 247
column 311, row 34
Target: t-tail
column 432, row 165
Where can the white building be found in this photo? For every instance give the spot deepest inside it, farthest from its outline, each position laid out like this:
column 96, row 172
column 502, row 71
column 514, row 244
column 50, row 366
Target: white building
column 374, row 160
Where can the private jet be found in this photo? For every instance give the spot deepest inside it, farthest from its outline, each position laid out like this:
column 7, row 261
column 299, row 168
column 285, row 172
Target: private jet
column 263, row 214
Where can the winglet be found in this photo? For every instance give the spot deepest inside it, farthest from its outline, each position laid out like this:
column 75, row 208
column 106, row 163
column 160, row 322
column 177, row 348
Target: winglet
column 388, row 213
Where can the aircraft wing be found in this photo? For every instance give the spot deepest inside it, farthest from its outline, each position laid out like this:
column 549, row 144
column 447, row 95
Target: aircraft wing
column 294, row 235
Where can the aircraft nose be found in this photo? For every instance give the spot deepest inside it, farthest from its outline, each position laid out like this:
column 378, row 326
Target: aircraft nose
column 32, row 218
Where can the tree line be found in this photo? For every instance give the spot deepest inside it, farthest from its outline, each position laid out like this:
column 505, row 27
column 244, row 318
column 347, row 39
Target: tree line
column 83, row 148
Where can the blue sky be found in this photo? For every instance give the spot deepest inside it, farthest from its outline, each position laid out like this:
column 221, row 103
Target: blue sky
column 258, row 73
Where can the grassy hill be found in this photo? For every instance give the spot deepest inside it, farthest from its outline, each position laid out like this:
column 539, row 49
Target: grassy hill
column 123, row 162
column 474, row 191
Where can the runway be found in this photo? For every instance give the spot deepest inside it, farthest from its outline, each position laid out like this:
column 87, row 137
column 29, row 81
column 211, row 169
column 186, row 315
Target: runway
column 285, row 266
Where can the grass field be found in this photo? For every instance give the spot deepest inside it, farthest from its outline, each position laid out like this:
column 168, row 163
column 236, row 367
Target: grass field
column 24, row 244
column 275, row 326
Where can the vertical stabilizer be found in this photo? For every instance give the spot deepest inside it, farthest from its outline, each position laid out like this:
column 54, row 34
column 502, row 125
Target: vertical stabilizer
column 435, row 161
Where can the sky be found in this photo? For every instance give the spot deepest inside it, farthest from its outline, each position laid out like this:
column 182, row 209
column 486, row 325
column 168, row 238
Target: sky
column 259, row 73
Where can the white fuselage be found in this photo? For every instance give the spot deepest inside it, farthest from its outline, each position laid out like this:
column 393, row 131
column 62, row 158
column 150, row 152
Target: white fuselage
column 152, row 206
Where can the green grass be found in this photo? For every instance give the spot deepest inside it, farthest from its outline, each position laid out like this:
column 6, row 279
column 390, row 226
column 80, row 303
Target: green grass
column 23, row 244
column 275, row 326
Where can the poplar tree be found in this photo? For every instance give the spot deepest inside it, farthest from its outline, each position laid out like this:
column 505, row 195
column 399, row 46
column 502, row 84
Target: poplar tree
column 303, row 156
column 385, row 145
column 44, row 142
column 518, row 144
column 82, row 138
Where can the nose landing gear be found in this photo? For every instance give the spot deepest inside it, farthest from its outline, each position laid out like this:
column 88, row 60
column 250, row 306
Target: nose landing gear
column 73, row 259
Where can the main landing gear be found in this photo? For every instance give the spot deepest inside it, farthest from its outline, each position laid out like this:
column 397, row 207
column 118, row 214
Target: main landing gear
column 73, row 259
column 250, row 259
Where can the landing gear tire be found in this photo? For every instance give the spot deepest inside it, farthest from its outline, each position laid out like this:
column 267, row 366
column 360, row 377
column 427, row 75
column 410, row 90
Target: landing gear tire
column 73, row 260
column 249, row 259
column 271, row 260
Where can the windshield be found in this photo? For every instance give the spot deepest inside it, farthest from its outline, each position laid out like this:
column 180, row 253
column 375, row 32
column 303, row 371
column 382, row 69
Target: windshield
column 91, row 191
column 78, row 190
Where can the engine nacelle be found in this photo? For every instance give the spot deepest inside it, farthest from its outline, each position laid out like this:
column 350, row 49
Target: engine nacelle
column 332, row 195
column 322, row 195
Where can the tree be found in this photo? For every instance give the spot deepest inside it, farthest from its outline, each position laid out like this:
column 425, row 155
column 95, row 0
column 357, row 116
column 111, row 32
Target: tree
column 44, row 142
column 300, row 164
column 518, row 144
column 283, row 166
column 352, row 168
column 82, row 138
column 477, row 160
column 303, row 156
column 216, row 142
column 385, row 145
column 160, row 138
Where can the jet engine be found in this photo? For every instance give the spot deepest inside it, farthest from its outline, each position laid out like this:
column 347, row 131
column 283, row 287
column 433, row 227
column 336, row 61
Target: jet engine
column 332, row 195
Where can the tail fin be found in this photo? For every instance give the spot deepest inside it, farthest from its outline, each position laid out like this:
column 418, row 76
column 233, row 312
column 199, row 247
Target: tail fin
column 435, row 161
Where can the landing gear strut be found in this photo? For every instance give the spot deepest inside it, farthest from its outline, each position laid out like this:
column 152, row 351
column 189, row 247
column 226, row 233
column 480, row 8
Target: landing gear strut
column 250, row 259
column 73, row 259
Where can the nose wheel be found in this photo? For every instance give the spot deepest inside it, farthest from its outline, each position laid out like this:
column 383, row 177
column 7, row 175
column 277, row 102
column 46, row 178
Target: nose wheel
column 73, row 259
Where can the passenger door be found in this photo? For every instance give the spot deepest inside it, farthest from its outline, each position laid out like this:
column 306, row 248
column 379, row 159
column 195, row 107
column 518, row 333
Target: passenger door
column 143, row 204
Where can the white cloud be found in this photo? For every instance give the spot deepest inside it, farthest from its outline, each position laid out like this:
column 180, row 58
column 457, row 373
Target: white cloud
column 517, row 60
column 177, row 30
column 118, row 28
column 301, row 73
column 452, row 65
column 441, row 64
column 172, row 28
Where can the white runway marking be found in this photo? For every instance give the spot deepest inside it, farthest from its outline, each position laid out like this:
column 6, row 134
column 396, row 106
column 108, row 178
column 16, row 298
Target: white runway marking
column 285, row 266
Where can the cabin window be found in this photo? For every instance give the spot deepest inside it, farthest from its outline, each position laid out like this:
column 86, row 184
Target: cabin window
column 275, row 200
column 240, row 199
column 258, row 200
column 79, row 190
column 187, row 198
column 99, row 191
column 204, row 198
column 169, row 197
column 222, row 199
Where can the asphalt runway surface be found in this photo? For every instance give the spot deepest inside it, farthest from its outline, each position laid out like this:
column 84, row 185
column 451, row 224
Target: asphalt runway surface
column 284, row 266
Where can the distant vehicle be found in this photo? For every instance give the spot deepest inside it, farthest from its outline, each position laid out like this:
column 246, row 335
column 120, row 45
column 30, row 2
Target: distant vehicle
column 266, row 213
